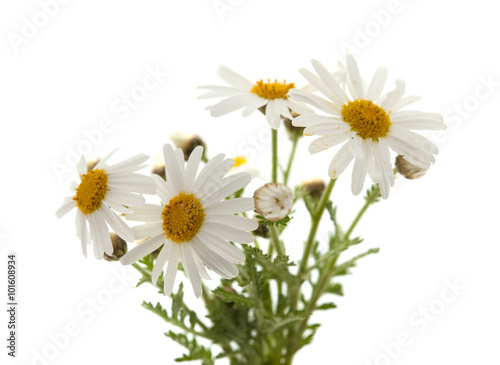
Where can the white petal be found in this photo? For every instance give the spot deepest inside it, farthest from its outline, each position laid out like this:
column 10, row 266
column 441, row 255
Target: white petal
column 253, row 106
column 199, row 263
column 411, row 154
column 394, row 96
column 214, row 182
column 377, row 85
column 173, row 172
column 354, row 78
column 148, row 230
column 144, row 249
column 305, row 120
column 418, row 120
column 102, row 162
column 320, row 85
column 234, row 78
column 162, row 189
column 160, row 262
column 297, row 107
column 192, row 167
column 173, row 263
column 232, row 103
column 403, row 102
column 207, row 170
column 340, row 161
column 136, row 183
column 325, row 142
column 230, row 206
column 81, row 166
column 321, row 128
column 272, row 114
column 100, row 233
column 119, row 226
column 222, row 267
column 146, row 213
column 68, row 205
column 330, row 82
column 82, row 231
column 243, row 223
column 228, row 233
column 126, row 165
column 221, row 247
column 230, row 184
column 190, row 269
column 311, row 99
column 124, row 198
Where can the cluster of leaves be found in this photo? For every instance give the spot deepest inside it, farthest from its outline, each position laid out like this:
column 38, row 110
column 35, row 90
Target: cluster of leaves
column 254, row 318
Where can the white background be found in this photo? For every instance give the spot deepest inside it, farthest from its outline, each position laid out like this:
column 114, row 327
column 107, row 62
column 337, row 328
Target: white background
column 60, row 83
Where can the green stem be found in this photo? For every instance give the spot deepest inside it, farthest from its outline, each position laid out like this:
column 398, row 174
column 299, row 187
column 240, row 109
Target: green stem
column 275, row 239
column 290, row 160
column 315, row 218
column 274, row 134
column 368, row 202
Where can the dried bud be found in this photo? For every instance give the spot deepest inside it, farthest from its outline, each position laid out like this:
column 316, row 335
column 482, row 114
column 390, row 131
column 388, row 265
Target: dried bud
column 119, row 248
column 273, row 201
column 294, row 132
column 91, row 163
column 409, row 170
column 262, row 230
column 187, row 142
column 314, row 188
column 159, row 166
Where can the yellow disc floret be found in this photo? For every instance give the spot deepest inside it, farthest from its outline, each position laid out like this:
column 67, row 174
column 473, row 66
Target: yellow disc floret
column 91, row 191
column 366, row 118
column 272, row 90
column 239, row 161
column 182, row 217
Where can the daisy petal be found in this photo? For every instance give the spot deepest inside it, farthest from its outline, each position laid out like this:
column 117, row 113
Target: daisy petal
column 144, row 249
column 233, row 78
column 326, row 142
column 377, row 84
column 394, row 96
column 170, row 274
column 354, row 77
column 221, row 247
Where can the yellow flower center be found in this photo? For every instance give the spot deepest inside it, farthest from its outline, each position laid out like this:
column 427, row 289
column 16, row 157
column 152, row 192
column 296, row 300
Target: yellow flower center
column 239, row 161
column 366, row 118
column 272, row 90
column 91, row 191
column 182, row 217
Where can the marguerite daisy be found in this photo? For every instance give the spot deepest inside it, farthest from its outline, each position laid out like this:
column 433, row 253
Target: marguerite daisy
column 368, row 123
column 242, row 93
column 101, row 190
column 195, row 223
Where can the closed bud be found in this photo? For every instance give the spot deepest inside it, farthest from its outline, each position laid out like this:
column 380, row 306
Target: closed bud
column 409, row 170
column 187, row 142
column 92, row 163
column 159, row 166
column 273, row 201
column 119, row 248
column 294, row 132
column 314, row 188
column 262, row 230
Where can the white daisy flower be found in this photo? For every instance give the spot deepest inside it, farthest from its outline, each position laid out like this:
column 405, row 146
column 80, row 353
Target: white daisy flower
column 101, row 191
column 368, row 123
column 250, row 96
column 273, row 201
column 196, row 222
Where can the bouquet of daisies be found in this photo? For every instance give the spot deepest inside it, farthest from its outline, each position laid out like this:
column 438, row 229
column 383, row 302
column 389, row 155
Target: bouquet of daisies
column 204, row 223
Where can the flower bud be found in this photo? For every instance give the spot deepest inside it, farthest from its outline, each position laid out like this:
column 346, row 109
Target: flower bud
column 409, row 170
column 119, row 248
column 159, row 166
column 262, row 230
column 314, row 188
column 92, row 163
column 273, row 201
column 187, row 142
column 293, row 132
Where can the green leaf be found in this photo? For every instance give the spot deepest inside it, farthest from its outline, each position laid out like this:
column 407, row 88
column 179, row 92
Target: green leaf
column 326, row 306
column 234, row 297
column 196, row 351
